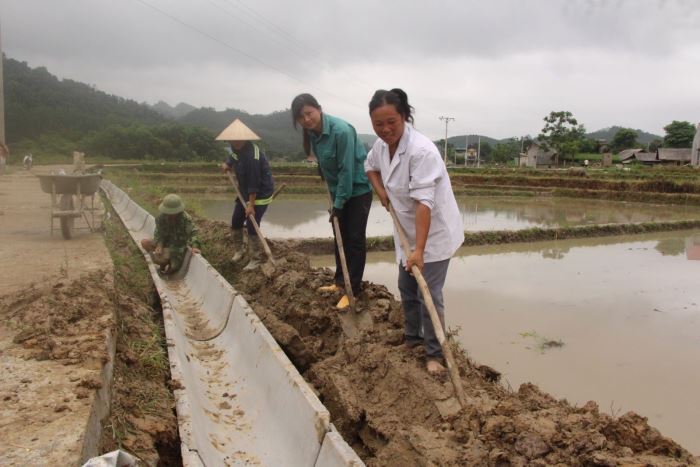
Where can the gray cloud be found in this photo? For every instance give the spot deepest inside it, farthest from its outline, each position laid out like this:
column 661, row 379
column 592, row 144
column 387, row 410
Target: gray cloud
column 497, row 66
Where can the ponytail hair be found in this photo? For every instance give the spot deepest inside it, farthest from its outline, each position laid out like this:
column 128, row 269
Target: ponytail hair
column 396, row 97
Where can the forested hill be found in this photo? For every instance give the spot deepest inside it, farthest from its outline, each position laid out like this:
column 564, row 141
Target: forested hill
column 275, row 129
column 166, row 110
column 608, row 134
column 37, row 103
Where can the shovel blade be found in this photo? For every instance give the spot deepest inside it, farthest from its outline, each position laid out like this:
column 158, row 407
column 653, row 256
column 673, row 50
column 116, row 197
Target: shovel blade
column 353, row 323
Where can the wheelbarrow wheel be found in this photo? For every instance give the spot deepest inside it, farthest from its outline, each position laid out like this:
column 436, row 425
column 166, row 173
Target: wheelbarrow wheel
column 66, row 204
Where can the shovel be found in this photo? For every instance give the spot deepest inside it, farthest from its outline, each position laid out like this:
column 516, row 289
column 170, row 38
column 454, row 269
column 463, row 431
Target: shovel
column 341, row 253
column 434, row 318
column 251, row 219
column 355, row 320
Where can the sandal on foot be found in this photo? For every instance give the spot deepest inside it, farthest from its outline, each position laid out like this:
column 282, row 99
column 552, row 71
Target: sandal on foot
column 344, row 303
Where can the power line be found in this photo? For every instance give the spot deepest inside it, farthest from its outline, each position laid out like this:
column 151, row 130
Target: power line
column 245, row 54
column 305, row 48
column 299, row 51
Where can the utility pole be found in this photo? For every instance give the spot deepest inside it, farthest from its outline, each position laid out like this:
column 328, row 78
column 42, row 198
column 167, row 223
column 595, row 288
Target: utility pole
column 478, row 153
column 466, row 149
column 2, row 97
column 447, row 122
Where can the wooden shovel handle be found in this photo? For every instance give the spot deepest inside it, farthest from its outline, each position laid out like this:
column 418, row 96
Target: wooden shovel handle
column 341, row 254
column 251, row 219
column 434, row 318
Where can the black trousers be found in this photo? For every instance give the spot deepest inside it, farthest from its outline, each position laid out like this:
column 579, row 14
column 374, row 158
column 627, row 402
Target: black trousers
column 353, row 229
column 239, row 219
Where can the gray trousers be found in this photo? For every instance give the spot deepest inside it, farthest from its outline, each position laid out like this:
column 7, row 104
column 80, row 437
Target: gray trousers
column 418, row 327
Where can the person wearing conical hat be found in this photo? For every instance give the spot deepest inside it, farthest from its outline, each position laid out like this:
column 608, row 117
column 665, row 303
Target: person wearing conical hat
column 252, row 172
column 175, row 232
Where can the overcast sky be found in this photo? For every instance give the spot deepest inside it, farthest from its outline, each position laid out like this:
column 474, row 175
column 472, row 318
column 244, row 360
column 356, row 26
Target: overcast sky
column 497, row 67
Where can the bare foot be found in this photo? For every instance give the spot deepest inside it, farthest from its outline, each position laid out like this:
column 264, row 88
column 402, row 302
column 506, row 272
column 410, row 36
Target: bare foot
column 434, row 367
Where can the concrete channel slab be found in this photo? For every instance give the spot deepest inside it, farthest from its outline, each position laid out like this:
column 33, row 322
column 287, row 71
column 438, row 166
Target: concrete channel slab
column 240, row 401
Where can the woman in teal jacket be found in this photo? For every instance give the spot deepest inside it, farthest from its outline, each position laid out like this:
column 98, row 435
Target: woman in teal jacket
column 341, row 156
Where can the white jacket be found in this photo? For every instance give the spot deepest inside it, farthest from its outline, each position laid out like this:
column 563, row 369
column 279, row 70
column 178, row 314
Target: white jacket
column 417, row 173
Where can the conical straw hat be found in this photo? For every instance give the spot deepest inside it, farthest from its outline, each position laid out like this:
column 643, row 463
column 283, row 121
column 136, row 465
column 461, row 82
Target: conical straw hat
column 237, row 131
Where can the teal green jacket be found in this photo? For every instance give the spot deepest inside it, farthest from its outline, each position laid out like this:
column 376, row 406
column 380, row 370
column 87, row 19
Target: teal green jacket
column 341, row 156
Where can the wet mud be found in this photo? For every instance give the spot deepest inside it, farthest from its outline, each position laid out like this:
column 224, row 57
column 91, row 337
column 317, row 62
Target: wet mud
column 393, row 413
column 143, row 420
column 63, row 321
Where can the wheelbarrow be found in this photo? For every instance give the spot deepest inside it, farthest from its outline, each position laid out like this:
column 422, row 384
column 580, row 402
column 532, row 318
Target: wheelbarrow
column 68, row 199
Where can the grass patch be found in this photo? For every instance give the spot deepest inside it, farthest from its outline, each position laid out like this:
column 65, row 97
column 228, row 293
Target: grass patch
column 542, row 344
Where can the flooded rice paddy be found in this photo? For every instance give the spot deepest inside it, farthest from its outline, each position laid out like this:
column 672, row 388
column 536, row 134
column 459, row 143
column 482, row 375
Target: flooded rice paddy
column 627, row 311
column 307, row 216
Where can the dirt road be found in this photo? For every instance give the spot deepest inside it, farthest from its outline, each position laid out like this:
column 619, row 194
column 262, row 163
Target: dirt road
column 28, row 253
column 52, row 346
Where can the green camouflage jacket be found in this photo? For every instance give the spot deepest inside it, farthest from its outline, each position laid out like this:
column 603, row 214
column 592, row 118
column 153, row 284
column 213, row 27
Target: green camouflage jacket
column 178, row 234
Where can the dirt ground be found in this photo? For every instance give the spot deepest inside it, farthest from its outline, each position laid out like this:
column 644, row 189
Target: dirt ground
column 28, row 252
column 142, row 420
column 393, row 413
column 52, row 334
column 59, row 300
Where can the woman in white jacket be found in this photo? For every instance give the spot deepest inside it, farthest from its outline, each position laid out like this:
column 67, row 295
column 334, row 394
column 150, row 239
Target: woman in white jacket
column 406, row 170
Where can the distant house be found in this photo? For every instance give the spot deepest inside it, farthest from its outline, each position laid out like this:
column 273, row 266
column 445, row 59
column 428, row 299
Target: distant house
column 522, row 159
column 469, row 156
column 674, row 156
column 695, row 151
column 664, row 156
column 537, row 157
column 628, row 154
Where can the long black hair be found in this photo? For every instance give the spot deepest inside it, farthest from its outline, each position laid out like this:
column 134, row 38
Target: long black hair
column 396, row 97
column 298, row 104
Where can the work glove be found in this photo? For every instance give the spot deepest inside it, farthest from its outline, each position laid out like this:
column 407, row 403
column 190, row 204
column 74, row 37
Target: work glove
column 335, row 212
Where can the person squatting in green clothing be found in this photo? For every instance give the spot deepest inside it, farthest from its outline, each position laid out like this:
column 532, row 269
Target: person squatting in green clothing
column 341, row 157
column 175, row 231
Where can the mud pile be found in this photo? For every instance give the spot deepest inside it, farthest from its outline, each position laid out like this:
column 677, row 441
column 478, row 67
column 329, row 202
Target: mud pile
column 66, row 321
column 393, row 413
column 142, row 419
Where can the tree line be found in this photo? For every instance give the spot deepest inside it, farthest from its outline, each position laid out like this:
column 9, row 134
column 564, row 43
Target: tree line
column 48, row 116
column 45, row 115
column 563, row 134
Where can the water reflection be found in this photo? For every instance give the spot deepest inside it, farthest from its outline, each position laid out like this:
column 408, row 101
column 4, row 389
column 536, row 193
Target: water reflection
column 626, row 308
column 692, row 248
column 306, row 216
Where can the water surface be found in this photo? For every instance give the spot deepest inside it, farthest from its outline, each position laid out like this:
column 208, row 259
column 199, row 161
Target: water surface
column 627, row 310
column 307, row 216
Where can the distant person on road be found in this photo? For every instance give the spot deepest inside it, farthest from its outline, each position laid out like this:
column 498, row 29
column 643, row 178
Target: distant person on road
column 406, row 170
column 175, row 232
column 4, row 155
column 341, row 156
column 27, row 161
column 254, row 178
